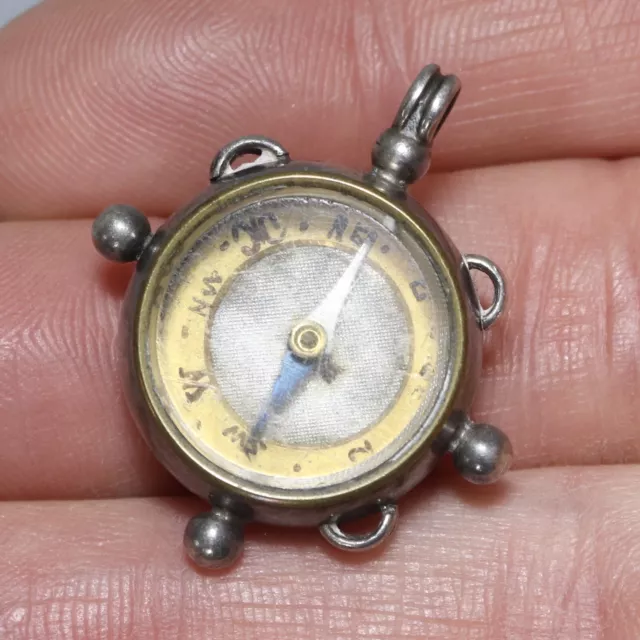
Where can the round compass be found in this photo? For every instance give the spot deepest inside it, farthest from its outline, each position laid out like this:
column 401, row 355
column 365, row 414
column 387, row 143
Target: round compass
column 301, row 343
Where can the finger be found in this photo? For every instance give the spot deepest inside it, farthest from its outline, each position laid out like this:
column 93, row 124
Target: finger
column 63, row 420
column 552, row 555
column 560, row 372
column 129, row 101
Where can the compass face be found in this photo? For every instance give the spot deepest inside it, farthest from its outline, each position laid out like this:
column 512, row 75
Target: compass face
column 298, row 339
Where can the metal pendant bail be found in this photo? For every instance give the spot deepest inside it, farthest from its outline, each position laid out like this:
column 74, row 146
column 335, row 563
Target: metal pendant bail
column 402, row 153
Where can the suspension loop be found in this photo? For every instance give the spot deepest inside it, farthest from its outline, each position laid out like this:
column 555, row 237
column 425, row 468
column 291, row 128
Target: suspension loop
column 332, row 532
column 269, row 154
column 402, row 153
column 427, row 104
column 486, row 317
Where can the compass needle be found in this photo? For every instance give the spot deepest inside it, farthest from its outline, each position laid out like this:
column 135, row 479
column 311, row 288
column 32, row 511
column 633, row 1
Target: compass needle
column 328, row 311
column 292, row 374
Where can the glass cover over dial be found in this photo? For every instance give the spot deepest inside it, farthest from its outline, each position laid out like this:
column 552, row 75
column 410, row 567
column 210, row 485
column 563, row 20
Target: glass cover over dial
column 299, row 341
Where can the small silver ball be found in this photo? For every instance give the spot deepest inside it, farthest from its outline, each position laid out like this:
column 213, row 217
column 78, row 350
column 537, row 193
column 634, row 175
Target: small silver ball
column 483, row 454
column 120, row 233
column 214, row 540
column 403, row 157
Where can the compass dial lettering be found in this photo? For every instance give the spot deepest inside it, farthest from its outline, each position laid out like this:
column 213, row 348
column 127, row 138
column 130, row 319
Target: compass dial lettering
column 298, row 329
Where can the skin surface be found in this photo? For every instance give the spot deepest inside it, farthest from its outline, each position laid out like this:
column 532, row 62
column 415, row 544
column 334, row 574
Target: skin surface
column 127, row 101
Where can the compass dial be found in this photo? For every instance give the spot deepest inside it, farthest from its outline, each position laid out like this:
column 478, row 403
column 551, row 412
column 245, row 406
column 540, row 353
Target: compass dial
column 298, row 342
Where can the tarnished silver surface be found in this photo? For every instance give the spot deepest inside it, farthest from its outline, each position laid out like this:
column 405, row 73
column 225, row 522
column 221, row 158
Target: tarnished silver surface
column 481, row 453
column 486, row 317
column 214, row 540
column 269, row 154
column 120, row 233
column 402, row 153
column 333, row 534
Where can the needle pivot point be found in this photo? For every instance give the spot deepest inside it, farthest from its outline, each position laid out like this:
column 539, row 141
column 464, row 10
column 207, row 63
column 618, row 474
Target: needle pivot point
column 308, row 340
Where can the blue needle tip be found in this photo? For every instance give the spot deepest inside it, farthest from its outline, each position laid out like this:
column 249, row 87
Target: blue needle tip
column 293, row 371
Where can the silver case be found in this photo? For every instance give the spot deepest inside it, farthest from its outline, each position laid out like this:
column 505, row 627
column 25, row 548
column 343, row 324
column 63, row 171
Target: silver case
column 272, row 512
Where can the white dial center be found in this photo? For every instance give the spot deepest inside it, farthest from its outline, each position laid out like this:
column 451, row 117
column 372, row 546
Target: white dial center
column 370, row 350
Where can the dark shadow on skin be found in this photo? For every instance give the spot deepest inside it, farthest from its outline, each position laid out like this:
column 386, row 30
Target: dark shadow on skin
column 494, row 341
column 483, row 496
column 447, row 478
column 114, row 278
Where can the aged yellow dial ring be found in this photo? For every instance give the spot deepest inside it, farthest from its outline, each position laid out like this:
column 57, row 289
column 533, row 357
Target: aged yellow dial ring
column 208, row 263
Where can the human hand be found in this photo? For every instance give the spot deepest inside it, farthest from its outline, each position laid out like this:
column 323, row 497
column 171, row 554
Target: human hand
column 129, row 101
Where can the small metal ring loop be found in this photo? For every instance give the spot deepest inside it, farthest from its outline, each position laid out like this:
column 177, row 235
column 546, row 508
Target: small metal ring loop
column 486, row 317
column 414, row 94
column 333, row 534
column 427, row 103
column 439, row 107
column 269, row 152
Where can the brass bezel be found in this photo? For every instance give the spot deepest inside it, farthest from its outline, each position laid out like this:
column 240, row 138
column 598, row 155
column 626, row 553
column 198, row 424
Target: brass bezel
column 393, row 477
